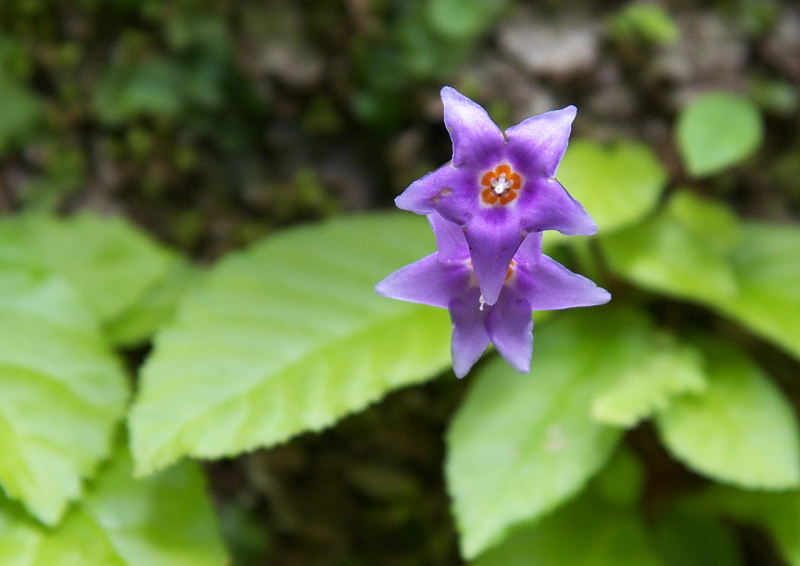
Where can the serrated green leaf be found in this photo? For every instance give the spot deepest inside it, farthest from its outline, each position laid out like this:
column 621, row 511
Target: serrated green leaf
column 522, row 444
column 777, row 513
column 618, row 184
column 287, row 337
column 163, row 520
column 669, row 255
column 156, row 307
column 718, row 130
column 741, row 430
column 585, row 532
column 670, row 370
column 63, row 393
column 109, row 262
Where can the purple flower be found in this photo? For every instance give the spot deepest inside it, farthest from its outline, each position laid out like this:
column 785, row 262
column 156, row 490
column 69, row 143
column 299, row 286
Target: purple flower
column 532, row 281
column 499, row 188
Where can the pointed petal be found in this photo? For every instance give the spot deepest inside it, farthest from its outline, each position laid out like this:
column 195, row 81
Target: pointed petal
column 548, row 285
column 477, row 141
column 540, row 142
column 449, row 239
column 423, row 195
column 510, row 327
column 493, row 237
column 427, row 281
column 469, row 334
column 546, row 205
column 530, row 251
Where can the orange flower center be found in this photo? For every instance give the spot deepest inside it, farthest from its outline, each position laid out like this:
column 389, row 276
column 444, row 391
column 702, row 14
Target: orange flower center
column 501, row 185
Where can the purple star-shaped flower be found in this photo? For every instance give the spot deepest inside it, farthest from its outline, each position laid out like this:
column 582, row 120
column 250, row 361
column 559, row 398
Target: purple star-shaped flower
column 532, row 281
column 499, row 188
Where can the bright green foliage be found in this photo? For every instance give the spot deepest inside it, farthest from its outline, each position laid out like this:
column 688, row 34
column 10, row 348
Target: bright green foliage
column 156, row 306
column 62, row 393
column 586, row 531
column 698, row 250
column 522, row 444
column 665, row 254
column 287, row 337
column 110, row 263
column 768, row 275
column 650, row 22
column 163, row 520
column 718, row 130
column 741, row 430
column 687, row 538
column 777, row 513
column 618, row 184
column 670, row 370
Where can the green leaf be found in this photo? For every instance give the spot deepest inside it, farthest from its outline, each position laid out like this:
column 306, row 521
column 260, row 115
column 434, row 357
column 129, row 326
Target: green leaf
column 522, row 444
column 163, row 520
column 585, row 532
column 63, row 393
column 741, row 430
column 156, row 307
column 618, row 184
column 671, row 370
column 109, row 262
column 463, row 19
column 698, row 250
column 672, row 255
column 777, row 513
column 21, row 112
column 647, row 21
column 768, row 276
column 287, row 337
column 621, row 482
column 685, row 538
column 718, row 130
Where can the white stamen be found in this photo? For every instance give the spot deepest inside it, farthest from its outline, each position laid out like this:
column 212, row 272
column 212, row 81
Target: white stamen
column 501, row 184
column 482, row 302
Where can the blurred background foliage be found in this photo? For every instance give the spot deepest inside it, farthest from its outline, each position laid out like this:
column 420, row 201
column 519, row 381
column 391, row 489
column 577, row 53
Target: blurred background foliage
column 212, row 123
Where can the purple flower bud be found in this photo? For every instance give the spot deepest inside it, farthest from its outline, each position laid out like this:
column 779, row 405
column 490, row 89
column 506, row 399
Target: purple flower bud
column 532, row 281
column 499, row 188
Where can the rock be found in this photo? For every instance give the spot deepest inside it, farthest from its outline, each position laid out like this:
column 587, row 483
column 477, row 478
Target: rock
column 559, row 48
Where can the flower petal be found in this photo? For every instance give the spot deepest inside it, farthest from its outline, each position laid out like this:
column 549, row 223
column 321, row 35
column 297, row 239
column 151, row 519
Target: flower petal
column 493, row 237
column 510, row 328
column 424, row 194
column 540, row 142
column 546, row 205
column 530, row 251
column 548, row 285
column 427, row 281
column 477, row 141
column 449, row 239
column 469, row 334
